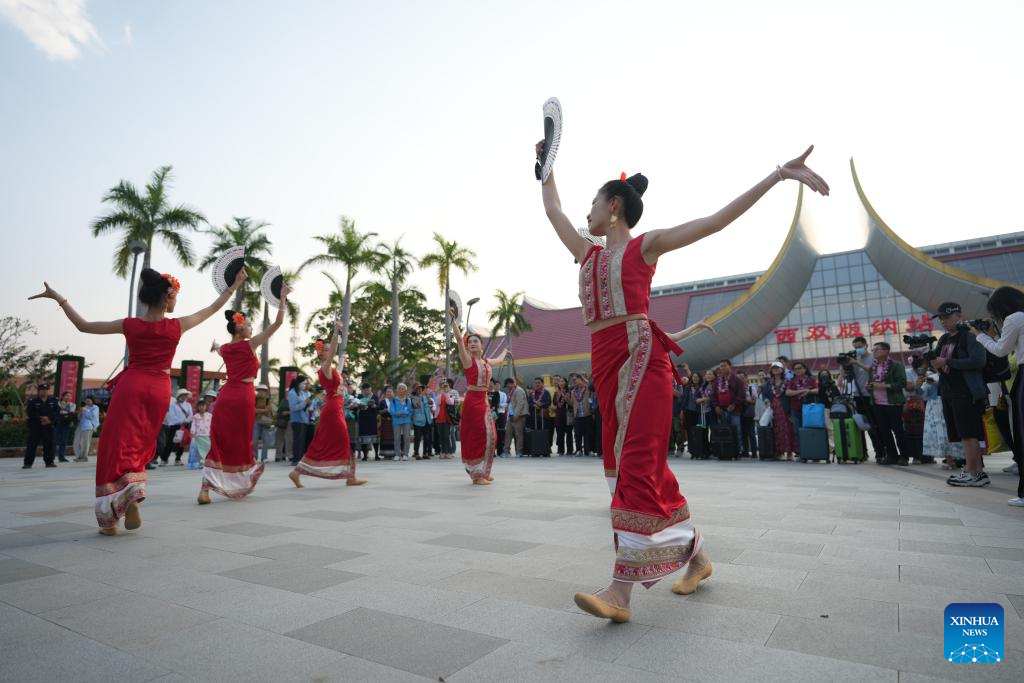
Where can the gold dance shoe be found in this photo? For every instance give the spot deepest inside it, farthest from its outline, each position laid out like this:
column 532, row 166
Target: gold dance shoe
column 591, row 604
column 688, row 584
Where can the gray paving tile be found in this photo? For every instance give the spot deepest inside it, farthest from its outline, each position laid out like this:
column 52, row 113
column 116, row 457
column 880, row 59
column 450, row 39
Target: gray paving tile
column 252, row 529
column 490, row 545
column 551, row 663
column 538, row 514
column 271, row 609
column 532, row 591
column 961, row 549
column 224, row 650
column 1006, row 567
column 1018, row 604
column 56, row 528
column 304, row 553
column 126, row 620
column 291, row 576
column 396, row 597
column 18, row 539
column 53, row 592
column 712, row 660
column 841, row 566
column 19, row 570
column 922, row 519
column 988, row 582
column 903, row 651
column 425, row 646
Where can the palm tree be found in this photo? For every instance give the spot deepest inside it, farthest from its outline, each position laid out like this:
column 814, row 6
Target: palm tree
column 397, row 268
column 448, row 255
column 147, row 216
column 350, row 249
column 508, row 316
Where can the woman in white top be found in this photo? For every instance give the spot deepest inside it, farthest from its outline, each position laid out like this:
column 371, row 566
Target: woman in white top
column 1006, row 306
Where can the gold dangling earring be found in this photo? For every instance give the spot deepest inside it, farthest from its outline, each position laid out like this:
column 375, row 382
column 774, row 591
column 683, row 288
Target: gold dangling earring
column 614, row 219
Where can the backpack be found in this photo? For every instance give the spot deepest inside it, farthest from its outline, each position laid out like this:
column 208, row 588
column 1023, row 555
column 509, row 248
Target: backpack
column 997, row 368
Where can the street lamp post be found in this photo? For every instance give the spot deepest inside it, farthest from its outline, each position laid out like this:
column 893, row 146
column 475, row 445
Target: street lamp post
column 137, row 247
column 469, row 309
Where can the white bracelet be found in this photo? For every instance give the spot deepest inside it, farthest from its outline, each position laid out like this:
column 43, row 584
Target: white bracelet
column 778, row 170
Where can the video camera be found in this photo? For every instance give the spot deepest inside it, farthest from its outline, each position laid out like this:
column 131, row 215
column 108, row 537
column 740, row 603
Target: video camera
column 916, row 342
column 980, row 324
column 844, row 358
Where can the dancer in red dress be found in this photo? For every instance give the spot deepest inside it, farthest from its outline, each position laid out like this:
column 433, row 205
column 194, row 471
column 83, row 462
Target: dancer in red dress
column 633, row 373
column 141, row 393
column 329, row 456
column 230, row 467
column 477, row 428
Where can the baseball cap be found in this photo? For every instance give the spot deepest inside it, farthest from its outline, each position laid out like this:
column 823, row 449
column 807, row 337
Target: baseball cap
column 948, row 308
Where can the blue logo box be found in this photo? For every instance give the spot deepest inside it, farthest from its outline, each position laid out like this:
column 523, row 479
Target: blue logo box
column 973, row 633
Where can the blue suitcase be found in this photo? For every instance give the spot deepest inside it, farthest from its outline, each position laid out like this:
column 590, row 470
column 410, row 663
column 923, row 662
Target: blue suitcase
column 813, row 444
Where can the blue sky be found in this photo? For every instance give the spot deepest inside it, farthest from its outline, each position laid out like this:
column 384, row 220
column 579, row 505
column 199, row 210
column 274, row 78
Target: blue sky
column 414, row 117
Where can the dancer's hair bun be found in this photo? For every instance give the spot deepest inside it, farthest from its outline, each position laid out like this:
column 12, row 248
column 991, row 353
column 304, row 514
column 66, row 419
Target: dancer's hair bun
column 154, row 287
column 638, row 182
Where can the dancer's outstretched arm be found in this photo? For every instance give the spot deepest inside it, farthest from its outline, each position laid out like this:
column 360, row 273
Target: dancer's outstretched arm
column 500, row 358
column 572, row 240
column 659, row 242
column 332, row 351
column 258, row 340
column 80, row 323
column 460, row 342
column 691, row 330
column 189, row 321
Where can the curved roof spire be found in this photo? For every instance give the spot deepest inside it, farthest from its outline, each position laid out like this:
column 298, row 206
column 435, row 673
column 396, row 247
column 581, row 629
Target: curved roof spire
column 758, row 310
column 924, row 280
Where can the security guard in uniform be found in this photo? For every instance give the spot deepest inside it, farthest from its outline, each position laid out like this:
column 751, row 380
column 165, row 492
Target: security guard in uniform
column 42, row 413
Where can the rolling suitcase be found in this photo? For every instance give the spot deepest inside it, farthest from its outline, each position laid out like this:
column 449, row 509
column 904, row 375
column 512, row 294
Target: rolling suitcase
column 765, row 443
column 723, row 442
column 849, row 440
column 813, row 444
column 538, row 442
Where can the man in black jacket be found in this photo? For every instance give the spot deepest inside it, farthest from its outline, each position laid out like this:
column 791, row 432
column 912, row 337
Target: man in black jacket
column 42, row 414
column 960, row 360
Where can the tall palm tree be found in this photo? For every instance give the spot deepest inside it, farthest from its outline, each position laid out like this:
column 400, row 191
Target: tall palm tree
column 448, row 255
column 508, row 316
column 398, row 267
column 145, row 216
column 352, row 250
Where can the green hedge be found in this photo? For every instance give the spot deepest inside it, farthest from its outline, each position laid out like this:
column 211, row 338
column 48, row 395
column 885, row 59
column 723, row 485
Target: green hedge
column 14, row 433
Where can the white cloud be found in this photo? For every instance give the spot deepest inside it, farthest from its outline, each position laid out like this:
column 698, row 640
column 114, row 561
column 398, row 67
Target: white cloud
column 128, row 37
column 57, row 27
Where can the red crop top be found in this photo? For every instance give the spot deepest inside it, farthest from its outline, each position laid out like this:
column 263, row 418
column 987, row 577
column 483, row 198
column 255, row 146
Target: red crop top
column 615, row 282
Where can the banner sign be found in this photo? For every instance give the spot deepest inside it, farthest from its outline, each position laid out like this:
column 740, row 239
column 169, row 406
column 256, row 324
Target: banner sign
column 192, row 379
column 69, row 377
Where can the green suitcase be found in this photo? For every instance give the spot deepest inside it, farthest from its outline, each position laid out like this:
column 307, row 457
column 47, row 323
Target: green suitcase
column 849, row 440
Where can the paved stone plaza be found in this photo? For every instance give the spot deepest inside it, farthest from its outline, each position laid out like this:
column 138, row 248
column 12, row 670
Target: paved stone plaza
column 822, row 573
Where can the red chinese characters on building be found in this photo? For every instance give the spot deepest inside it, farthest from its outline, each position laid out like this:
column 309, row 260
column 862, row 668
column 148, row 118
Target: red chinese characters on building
column 849, row 331
column 925, row 324
column 880, row 327
column 816, row 332
column 786, row 335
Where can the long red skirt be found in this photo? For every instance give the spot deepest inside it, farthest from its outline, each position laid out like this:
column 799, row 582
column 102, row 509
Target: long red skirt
column 230, row 468
column 137, row 409
column 650, row 517
column 479, row 435
column 329, row 456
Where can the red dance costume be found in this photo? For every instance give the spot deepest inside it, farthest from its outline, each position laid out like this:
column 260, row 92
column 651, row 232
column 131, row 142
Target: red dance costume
column 477, row 429
column 329, row 456
column 230, row 468
column 633, row 377
column 139, row 402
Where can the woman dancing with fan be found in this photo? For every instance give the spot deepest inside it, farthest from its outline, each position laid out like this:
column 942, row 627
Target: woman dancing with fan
column 141, row 393
column 477, row 428
column 329, row 455
column 230, row 467
column 654, row 535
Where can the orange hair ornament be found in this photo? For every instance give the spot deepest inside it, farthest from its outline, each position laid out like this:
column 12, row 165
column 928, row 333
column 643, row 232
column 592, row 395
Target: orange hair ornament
column 175, row 284
column 319, row 346
column 238, row 319
column 622, row 176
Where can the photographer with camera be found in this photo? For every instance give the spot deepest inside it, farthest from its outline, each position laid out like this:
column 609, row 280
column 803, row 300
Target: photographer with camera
column 853, row 382
column 888, row 382
column 960, row 360
column 1006, row 306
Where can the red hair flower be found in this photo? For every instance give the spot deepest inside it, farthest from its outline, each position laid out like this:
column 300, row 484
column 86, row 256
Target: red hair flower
column 319, row 346
column 175, row 285
column 622, row 176
column 238, row 319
